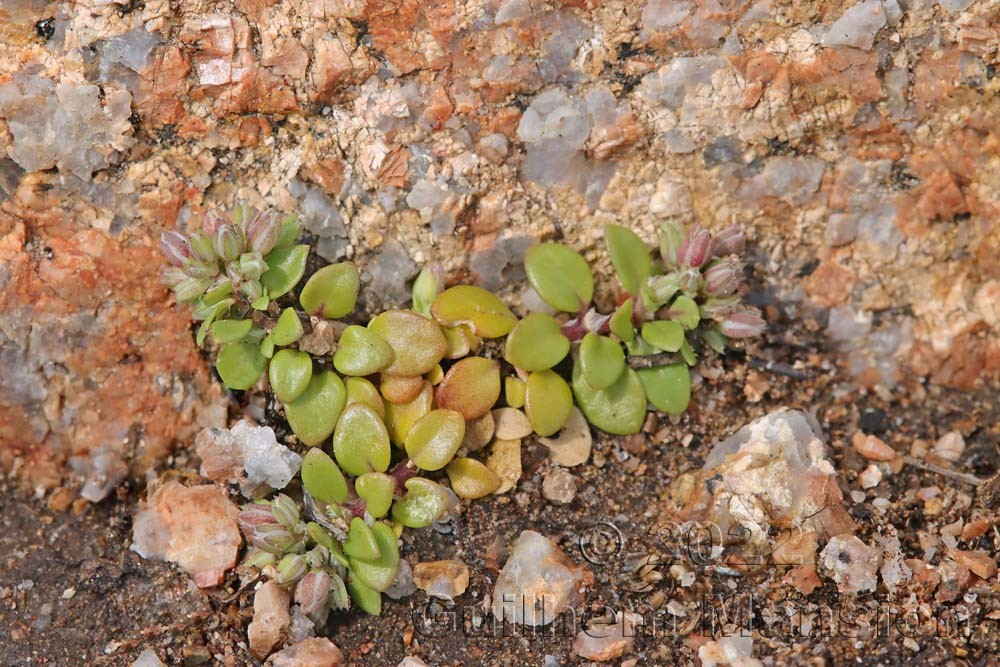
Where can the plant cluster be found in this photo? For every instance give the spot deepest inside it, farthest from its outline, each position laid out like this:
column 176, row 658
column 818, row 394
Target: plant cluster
column 674, row 306
column 411, row 393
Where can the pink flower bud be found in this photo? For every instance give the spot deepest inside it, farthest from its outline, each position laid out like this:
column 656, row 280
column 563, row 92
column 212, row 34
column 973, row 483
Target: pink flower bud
column 730, row 241
column 696, row 248
column 716, row 307
column 228, row 242
column 743, row 324
column 271, row 537
column 286, row 511
column 256, row 514
column 201, row 248
column 722, row 277
column 262, row 232
column 312, row 592
column 175, row 248
column 212, row 221
column 172, row 277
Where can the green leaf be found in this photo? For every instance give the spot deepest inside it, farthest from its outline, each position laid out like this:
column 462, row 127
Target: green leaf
column 267, row 346
column 560, row 276
column 640, row 348
column 424, row 503
column 471, row 479
column 548, row 402
column 668, row 388
column 240, row 364
column 630, row 256
column 379, row 573
column 620, row 409
column 432, row 441
column 261, row 302
column 332, row 291
column 665, row 335
column 361, row 441
column 400, row 417
column 208, row 314
column 314, row 414
column 417, row 342
column 621, row 322
column 425, row 289
column 715, row 339
column 482, row 311
column 289, row 373
column 216, row 294
column 286, row 266
column 289, row 231
column 602, row 360
column 688, row 353
column 536, row 343
column 361, row 351
column 685, row 311
column 322, row 478
column 377, row 490
column 514, row 389
column 471, row 386
column 361, row 542
column 288, row 328
column 228, row 331
column 367, row 598
column 360, row 390
column 322, row 537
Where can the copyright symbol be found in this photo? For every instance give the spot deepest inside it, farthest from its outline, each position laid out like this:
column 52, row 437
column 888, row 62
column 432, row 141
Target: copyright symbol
column 601, row 542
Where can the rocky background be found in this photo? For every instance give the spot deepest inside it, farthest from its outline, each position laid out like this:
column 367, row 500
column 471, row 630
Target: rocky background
column 858, row 145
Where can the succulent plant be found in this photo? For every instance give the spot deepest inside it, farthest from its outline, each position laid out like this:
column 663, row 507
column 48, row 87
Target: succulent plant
column 409, row 399
column 671, row 309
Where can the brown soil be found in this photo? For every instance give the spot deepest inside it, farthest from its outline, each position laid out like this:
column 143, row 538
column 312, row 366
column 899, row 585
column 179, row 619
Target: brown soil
column 71, row 593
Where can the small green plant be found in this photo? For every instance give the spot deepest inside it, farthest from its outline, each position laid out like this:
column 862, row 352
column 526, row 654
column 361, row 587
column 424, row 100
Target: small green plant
column 393, row 406
column 672, row 309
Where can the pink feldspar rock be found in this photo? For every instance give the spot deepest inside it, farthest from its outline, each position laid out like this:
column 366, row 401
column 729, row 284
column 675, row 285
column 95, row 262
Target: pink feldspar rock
column 312, row 652
column 270, row 619
column 194, row 527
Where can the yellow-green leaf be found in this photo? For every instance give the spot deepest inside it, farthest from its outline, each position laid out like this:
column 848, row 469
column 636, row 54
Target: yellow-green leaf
column 332, row 291
column 536, row 343
column 630, row 256
column 289, row 373
column 548, row 402
column 482, row 311
column 417, row 342
column 668, row 388
column 240, row 364
column 560, row 276
column 314, row 414
column 286, row 266
column 620, row 409
column 602, row 360
column 665, row 335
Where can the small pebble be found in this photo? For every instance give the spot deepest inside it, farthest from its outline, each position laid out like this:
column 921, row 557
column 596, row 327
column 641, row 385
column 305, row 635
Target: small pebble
column 870, row 477
column 559, row 487
column 949, row 446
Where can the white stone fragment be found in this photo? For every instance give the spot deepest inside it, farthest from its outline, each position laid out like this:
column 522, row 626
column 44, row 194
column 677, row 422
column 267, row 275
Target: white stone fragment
column 949, row 446
column 147, row 658
column 64, row 125
column 537, row 583
column 736, row 651
column 266, row 461
column 870, row 477
column 851, row 563
column 857, row 26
